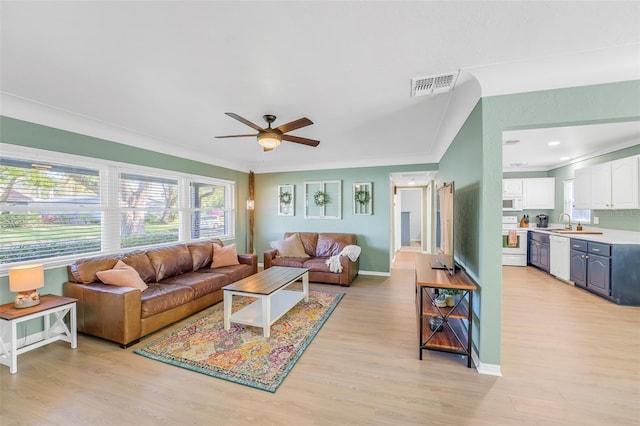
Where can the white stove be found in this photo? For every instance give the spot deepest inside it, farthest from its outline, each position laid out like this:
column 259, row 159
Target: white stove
column 514, row 242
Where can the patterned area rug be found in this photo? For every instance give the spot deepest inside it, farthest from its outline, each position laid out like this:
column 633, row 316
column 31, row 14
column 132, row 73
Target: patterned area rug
column 242, row 355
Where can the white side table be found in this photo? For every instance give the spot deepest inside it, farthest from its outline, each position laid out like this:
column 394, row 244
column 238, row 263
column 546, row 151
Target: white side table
column 50, row 305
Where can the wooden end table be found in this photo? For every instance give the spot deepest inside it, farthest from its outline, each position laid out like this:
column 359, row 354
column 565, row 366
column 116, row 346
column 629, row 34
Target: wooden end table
column 50, row 304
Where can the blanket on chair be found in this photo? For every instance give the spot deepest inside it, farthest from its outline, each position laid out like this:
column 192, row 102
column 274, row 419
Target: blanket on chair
column 353, row 252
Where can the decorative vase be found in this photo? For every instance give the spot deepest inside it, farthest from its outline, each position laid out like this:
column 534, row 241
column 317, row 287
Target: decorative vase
column 450, row 300
column 435, row 324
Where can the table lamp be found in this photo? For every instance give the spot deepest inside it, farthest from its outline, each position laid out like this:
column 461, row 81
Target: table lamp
column 25, row 280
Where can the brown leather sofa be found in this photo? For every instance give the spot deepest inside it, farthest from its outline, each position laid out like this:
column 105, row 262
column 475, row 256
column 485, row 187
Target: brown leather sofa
column 320, row 247
column 180, row 282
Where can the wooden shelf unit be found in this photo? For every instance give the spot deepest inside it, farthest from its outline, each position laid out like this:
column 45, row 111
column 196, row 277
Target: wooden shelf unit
column 455, row 336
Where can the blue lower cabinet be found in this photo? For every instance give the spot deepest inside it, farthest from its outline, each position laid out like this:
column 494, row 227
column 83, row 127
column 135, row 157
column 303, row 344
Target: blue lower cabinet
column 608, row 270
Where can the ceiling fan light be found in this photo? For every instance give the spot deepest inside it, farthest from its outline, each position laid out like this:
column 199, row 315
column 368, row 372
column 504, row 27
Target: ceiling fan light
column 269, row 140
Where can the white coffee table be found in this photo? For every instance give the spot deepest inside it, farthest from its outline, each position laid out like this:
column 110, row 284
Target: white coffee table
column 269, row 287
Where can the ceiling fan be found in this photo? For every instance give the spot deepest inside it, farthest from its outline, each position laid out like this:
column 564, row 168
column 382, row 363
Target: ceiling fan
column 270, row 138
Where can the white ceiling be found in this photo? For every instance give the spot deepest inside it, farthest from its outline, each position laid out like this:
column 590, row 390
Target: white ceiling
column 548, row 148
column 161, row 75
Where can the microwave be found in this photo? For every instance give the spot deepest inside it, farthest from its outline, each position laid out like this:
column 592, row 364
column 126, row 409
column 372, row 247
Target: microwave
column 511, row 204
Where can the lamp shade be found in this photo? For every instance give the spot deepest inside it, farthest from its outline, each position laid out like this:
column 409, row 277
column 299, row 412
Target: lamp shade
column 26, row 278
column 269, row 140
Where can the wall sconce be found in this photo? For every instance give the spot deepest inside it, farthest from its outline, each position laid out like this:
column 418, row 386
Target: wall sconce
column 25, row 280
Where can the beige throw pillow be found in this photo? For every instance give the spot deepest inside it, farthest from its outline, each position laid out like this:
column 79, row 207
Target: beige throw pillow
column 289, row 247
column 224, row 256
column 122, row 275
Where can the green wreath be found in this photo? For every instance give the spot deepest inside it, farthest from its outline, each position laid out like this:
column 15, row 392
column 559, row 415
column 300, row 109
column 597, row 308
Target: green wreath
column 362, row 197
column 285, row 198
column 321, row 198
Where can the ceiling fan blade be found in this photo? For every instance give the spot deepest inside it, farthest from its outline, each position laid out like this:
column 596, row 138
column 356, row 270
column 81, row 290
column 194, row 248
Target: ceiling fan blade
column 298, row 139
column 296, row 124
column 235, row 136
column 245, row 121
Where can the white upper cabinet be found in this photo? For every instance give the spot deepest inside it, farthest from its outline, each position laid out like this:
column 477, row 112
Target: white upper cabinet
column 539, row 193
column 582, row 188
column 614, row 185
column 512, row 187
column 625, row 183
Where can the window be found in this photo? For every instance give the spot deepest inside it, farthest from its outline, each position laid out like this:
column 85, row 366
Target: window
column 148, row 210
column 210, row 207
column 577, row 215
column 70, row 207
column 48, row 210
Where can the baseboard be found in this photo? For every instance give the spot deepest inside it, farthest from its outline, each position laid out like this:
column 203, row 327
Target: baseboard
column 484, row 368
column 376, row 273
column 27, row 340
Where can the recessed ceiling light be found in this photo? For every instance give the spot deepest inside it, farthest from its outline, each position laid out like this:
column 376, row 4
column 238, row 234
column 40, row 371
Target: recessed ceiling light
column 554, row 143
column 565, row 158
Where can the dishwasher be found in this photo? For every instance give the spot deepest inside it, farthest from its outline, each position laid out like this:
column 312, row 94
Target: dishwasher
column 560, row 257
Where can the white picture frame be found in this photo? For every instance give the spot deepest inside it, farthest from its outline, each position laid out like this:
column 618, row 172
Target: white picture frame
column 286, row 200
column 362, row 200
column 316, row 191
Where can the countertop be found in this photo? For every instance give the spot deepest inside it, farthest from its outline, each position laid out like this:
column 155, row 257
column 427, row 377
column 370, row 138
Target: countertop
column 608, row 236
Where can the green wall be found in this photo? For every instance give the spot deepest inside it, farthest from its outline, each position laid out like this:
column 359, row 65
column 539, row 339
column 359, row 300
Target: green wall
column 373, row 231
column 18, row 132
column 613, row 102
column 460, row 164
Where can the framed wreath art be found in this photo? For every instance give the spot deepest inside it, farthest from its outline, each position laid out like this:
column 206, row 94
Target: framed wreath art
column 362, row 198
column 323, row 199
column 286, row 201
column 285, row 198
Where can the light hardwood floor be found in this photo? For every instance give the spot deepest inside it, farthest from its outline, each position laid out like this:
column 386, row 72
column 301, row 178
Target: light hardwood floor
column 568, row 358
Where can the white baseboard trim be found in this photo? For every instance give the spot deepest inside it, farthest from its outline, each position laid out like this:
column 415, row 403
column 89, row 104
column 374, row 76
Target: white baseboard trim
column 380, row 274
column 484, row 368
column 27, row 340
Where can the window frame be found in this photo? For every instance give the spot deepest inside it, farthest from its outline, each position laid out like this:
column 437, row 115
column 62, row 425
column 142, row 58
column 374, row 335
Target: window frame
column 568, row 201
column 109, row 175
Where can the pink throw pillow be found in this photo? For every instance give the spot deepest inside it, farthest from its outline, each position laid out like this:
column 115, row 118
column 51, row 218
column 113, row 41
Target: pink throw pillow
column 224, row 256
column 289, row 247
column 122, row 275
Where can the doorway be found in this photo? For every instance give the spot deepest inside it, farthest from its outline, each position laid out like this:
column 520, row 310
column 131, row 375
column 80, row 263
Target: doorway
column 411, row 214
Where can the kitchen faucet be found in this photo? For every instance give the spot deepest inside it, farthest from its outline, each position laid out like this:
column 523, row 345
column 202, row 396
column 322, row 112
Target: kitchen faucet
column 569, row 227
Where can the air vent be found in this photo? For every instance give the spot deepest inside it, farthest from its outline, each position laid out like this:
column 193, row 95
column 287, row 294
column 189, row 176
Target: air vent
column 432, row 85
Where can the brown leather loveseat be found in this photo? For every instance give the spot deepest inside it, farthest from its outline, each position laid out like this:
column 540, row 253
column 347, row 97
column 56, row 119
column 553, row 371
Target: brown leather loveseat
column 179, row 281
column 319, row 247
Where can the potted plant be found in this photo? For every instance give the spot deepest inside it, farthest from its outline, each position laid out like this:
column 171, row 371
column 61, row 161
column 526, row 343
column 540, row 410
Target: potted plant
column 449, row 296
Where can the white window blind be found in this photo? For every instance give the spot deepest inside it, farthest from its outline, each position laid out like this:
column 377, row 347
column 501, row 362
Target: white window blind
column 577, row 215
column 48, row 210
column 71, row 207
column 148, row 210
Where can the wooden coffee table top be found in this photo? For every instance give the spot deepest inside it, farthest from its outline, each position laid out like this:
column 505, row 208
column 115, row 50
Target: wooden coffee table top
column 267, row 281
